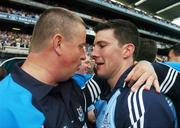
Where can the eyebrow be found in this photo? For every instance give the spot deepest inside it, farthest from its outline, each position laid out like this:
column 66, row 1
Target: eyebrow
column 84, row 43
column 100, row 42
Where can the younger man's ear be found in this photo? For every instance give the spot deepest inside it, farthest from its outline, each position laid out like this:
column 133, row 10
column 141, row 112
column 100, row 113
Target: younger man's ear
column 57, row 40
column 128, row 50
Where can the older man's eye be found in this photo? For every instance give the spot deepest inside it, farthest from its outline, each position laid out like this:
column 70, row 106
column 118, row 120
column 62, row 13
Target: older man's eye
column 102, row 45
column 83, row 46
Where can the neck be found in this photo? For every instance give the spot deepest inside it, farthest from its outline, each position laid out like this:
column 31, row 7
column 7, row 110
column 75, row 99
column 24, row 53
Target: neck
column 178, row 59
column 114, row 79
column 39, row 69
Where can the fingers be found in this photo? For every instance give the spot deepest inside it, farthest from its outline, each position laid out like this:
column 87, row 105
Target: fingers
column 156, row 85
column 152, row 80
column 137, row 71
column 129, row 76
column 140, row 82
column 149, row 82
column 142, row 74
column 133, row 76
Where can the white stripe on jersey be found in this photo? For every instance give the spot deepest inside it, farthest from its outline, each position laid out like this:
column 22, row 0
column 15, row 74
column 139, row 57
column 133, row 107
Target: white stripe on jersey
column 94, row 89
column 90, row 90
column 133, row 105
column 130, row 108
column 141, row 106
column 174, row 79
column 97, row 87
column 165, row 80
column 169, row 80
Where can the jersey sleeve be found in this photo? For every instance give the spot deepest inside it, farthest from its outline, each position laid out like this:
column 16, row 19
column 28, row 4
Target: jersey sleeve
column 175, row 65
column 169, row 80
column 95, row 89
column 81, row 79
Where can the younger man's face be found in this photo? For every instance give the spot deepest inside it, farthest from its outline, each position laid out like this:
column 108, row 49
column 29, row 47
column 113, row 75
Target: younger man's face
column 107, row 54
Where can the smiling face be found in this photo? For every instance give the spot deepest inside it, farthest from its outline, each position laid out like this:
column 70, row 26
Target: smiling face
column 107, row 54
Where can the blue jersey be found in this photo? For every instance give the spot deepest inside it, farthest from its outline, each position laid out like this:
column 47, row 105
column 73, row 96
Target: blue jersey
column 26, row 102
column 175, row 65
column 169, row 80
column 16, row 110
column 81, row 79
column 110, row 114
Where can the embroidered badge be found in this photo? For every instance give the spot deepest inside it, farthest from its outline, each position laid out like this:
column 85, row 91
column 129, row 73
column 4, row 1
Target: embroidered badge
column 106, row 123
column 81, row 114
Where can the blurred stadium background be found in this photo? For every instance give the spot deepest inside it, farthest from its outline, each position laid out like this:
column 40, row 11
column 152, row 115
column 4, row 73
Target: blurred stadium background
column 155, row 19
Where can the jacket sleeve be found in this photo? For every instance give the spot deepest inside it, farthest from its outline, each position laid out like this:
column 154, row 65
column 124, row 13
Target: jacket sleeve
column 169, row 80
column 95, row 89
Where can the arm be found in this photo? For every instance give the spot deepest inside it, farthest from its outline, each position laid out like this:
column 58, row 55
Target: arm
column 95, row 89
column 151, row 75
column 169, row 80
column 143, row 72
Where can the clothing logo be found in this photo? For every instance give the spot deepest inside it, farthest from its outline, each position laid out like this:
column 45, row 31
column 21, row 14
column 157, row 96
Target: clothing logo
column 106, row 123
column 80, row 113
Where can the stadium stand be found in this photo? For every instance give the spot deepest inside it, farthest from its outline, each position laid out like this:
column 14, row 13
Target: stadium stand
column 17, row 19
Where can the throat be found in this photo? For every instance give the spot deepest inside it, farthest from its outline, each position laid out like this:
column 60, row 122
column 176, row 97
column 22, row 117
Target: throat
column 40, row 73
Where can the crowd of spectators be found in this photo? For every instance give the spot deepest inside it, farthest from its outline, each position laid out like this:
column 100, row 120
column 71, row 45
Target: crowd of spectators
column 121, row 5
column 14, row 39
column 23, row 40
column 111, row 2
column 95, row 17
column 21, row 12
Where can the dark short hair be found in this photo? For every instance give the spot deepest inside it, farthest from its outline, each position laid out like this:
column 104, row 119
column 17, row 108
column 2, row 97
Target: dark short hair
column 147, row 50
column 124, row 31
